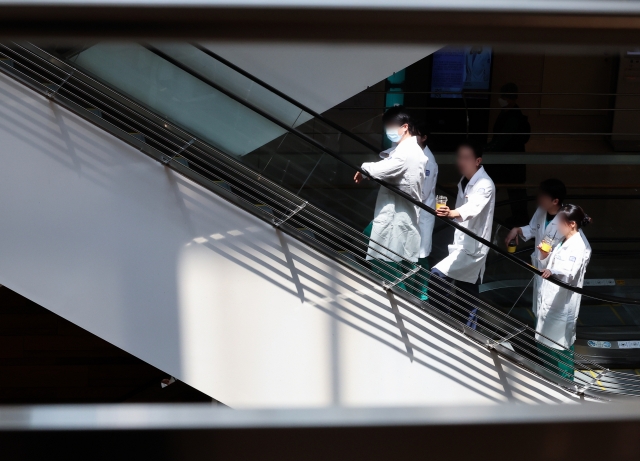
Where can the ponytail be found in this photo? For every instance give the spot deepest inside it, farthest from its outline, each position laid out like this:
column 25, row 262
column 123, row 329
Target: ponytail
column 576, row 214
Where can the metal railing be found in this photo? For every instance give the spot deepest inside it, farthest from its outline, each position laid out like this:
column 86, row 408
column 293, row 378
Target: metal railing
column 190, row 156
column 339, row 157
column 465, row 95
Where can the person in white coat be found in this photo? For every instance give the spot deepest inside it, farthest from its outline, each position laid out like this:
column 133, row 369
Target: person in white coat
column 558, row 308
column 544, row 223
column 465, row 264
column 427, row 220
column 395, row 232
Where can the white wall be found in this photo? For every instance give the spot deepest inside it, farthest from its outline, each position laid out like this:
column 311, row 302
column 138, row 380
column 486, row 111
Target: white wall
column 321, row 75
column 109, row 239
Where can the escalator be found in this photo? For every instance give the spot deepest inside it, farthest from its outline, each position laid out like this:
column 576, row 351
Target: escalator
column 607, row 332
column 279, row 160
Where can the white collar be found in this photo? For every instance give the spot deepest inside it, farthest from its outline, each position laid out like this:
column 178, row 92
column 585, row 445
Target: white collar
column 575, row 239
column 407, row 142
column 477, row 175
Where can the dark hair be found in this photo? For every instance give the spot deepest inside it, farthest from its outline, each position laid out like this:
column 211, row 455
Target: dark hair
column 399, row 115
column 554, row 188
column 477, row 150
column 576, row 214
column 509, row 91
column 422, row 128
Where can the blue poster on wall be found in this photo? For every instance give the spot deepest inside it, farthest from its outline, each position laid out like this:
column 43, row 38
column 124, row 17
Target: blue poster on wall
column 457, row 69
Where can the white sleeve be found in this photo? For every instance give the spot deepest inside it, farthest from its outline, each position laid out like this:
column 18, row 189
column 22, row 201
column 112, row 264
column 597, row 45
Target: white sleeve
column 434, row 176
column 433, row 183
column 389, row 168
column 385, row 153
column 479, row 198
column 528, row 230
column 543, row 262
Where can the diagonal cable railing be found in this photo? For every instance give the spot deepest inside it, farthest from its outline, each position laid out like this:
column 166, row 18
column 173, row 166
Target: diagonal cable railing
column 179, row 150
column 287, row 98
column 322, row 148
column 179, row 64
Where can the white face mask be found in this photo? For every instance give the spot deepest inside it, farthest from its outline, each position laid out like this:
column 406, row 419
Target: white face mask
column 503, row 102
column 393, row 135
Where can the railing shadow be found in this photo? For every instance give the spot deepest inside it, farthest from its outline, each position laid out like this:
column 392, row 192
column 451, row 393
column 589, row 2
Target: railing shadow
column 361, row 305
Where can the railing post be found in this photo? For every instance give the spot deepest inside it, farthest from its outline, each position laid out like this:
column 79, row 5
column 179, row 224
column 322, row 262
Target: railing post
column 491, row 344
column 388, row 285
column 289, row 216
column 166, row 159
column 52, row 93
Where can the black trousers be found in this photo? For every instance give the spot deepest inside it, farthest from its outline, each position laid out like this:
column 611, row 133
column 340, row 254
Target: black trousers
column 469, row 312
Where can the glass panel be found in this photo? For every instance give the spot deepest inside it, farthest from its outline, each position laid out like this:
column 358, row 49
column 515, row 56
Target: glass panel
column 178, row 96
column 234, row 82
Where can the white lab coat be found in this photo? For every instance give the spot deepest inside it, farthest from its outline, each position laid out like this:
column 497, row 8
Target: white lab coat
column 467, row 256
column 558, row 308
column 536, row 230
column 427, row 220
column 395, row 222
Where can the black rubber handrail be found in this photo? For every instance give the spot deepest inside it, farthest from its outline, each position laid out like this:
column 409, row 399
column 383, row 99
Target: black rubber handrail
column 319, row 146
column 287, row 98
column 373, row 148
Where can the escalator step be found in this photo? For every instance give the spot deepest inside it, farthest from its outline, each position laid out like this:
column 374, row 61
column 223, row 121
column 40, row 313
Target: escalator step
column 138, row 136
column 224, row 184
column 350, row 258
column 94, row 111
column 6, row 61
column 307, row 232
column 182, row 161
column 266, row 208
column 51, row 86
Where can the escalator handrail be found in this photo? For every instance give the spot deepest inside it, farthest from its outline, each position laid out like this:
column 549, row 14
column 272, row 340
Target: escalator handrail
column 287, row 98
column 374, row 149
column 321, row 147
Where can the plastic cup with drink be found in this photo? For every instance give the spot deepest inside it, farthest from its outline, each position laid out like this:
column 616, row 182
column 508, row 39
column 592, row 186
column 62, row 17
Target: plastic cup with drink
column 441, row 200
column 547, row 244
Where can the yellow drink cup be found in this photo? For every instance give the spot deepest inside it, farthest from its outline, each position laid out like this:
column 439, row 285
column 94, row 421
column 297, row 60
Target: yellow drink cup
column 441, row 200
column 545, row 246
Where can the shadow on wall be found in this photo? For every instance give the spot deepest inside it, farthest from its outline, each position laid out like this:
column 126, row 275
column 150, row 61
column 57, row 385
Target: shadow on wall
column 186, row 281
column 273, row 279
column 88, row 213
column 68, row 145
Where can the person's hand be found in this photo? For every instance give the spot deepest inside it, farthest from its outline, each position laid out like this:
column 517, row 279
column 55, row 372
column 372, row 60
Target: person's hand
column 543, row 254
column 446, row 212
column 359, row 177
column 546, row 274
column 443, row 211
column 513, row 234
